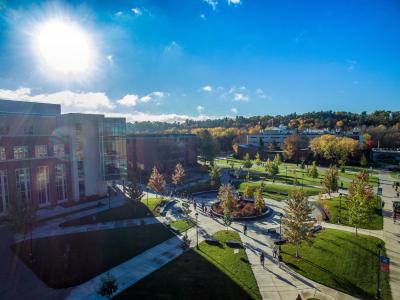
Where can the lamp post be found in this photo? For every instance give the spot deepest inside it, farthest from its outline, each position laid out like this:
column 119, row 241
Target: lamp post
column 340, row 207
column 197, row 231
column 286, row 173
column 378, row 250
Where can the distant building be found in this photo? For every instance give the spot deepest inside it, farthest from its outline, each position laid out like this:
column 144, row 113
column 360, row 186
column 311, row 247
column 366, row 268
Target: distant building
column 98, row 152
column 277, row 135
column 161, row 150
column 386, row 156
column 34, row 158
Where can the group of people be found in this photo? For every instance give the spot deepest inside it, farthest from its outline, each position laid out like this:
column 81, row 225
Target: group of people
column 275, row 254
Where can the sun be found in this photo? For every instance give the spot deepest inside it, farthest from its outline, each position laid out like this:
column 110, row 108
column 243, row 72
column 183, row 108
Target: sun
column 64, row 46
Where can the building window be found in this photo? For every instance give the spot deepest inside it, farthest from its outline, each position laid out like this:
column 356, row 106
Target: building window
column 40, row 151
column 59, row 150
column 61, row 184
column 23, row 184
column 82, row 192
column 3, row 191
column 2, row 153
column 20, row 152
column 43, row 184
column 28, row 130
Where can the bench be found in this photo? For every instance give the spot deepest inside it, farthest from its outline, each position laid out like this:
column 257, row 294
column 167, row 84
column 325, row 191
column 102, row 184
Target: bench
column 211, row 241
column 271, row 231
column 316, row 228
column 234, row 243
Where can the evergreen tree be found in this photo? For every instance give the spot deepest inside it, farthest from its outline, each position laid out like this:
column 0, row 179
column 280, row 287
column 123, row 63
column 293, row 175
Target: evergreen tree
column 248, row 192
column 272, row 169
column 313, row 172
column 156, row 181
column 215, row 175
column 258, row 159
column 247, row 163
column 277, row 159
column 363, row 160
column 297, row 213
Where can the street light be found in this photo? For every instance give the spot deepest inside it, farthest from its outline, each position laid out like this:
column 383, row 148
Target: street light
column 340, row 207
column 197, row 231
column 378, row 250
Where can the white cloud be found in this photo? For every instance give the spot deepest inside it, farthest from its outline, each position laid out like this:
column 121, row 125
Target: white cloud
column 260, row 94
column 173, row 50
column 240, row 97
column 129, row 100
column 234, row 110
column 110, row 58
column 200, row 109
column 137, row 11
column 118, row 13
column 68, row 99
column 153, row 95
column 207, row 88
column 212, row 3
column 203, row 16
column 234, row 2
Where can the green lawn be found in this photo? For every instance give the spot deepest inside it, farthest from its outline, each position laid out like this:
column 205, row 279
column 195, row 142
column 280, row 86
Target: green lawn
column 182, row 225
column 212, row 272
column 200, row 187
column 277, row 191
column 153, row 203
column 340, row 260
column 395, row 175
column 91, row 253
column 375, row 220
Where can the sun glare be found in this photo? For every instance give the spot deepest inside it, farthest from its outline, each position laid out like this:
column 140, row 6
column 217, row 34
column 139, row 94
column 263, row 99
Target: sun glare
column 64, row 46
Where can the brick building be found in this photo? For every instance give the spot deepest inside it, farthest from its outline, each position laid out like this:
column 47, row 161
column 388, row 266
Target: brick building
column 161, row 150
column 34, row 159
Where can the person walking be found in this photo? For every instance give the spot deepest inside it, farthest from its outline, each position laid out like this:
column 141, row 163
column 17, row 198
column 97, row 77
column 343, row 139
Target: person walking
column 274, row 250
column 262, row 258
column 245, row 229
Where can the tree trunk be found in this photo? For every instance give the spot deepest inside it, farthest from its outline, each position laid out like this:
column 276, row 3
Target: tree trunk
column 297, row 250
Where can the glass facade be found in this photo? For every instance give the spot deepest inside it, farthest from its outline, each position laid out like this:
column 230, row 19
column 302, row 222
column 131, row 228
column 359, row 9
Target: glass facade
column 3, row 191
column 59, row 150
column 23, row 184
column 79, row 158
column 40, row 151
column 113, row 148
column 2, row 153
column 20, row 152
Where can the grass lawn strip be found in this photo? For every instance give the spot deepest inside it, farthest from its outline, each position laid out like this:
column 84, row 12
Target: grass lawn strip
column 342, row 261
column 212, row 272
column 182, row 225
column 375, row 220
column 89, row 254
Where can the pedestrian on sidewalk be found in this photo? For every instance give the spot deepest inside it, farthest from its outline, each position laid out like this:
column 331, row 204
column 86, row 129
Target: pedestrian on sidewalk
column 274, row 250
column 298, row 297
column 245, row 229
column 262, row 258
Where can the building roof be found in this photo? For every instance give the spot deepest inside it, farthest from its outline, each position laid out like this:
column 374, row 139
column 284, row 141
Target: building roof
column 10, row 107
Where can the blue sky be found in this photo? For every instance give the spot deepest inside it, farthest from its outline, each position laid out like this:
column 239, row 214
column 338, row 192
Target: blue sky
column 173, row 59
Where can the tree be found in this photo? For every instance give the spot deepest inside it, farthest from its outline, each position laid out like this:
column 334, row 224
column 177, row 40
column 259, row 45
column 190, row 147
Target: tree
column 292, row 146
column 179, row 174
column 259, row 202
column 297, row 213
column 227, row 217
column 360, row 200
column 247, row 163
column 156, row 181
column 363, row 161
column 260, row 145
column 135, row 192
column 272, row 169
column 277, row 159
column 313, row 172
column 248, row 192
column 227, row 197
column 215, row 175
column 258, row 159
column 334, row 148
column 208, row 145
column 108, row 286
column 330, row 181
